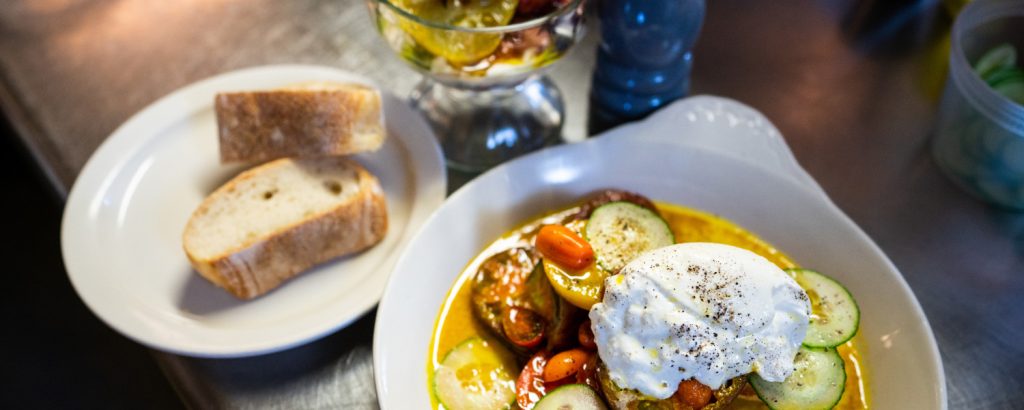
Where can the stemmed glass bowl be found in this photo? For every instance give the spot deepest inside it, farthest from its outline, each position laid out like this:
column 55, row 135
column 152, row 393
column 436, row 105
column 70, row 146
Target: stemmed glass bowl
column 482, row 90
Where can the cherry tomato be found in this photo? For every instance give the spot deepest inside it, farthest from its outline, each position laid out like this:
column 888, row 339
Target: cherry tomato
column 583, row 288
column 693, row 393
column 523, row 327
column 565, row 364
column 565, row 247
column 586, row 336
column 530, row 384
column 588, row 374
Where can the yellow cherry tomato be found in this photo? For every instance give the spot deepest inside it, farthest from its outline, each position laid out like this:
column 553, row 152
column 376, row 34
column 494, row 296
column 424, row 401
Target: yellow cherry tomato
column 458, row 47
column 583, row 288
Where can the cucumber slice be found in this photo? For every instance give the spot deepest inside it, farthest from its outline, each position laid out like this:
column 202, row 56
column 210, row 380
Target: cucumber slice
column 1002, row 56
column 1005, row 75
column 817, row 383
column 476, row 374
column 834, row 313
column 571, row 397
column 620, row 231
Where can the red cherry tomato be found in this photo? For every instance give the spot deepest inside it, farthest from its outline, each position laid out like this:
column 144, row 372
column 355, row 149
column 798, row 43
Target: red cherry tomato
column 523, row 327
column 530, row 384
column 564, row 247
column 588, row 374
column 586, row 336
column 565, row 364
column 693, row 393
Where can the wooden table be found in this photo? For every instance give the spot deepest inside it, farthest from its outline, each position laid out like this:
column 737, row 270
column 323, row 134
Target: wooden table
column 855, row 99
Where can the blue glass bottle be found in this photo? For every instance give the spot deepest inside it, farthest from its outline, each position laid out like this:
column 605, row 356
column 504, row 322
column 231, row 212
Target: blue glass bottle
column 644, row 60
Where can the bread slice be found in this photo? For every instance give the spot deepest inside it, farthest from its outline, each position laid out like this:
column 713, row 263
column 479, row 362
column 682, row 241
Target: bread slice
column 271, row 222
column 313, row 120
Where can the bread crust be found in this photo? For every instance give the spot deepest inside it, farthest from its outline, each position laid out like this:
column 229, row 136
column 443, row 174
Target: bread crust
column 264, row 125
column 262, row 264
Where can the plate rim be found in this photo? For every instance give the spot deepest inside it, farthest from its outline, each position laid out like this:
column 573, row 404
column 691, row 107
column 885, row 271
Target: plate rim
column 805, row 183
column 422, row 152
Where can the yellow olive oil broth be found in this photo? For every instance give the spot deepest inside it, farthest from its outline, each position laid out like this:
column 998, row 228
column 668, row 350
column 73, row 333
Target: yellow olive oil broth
column 455, row 322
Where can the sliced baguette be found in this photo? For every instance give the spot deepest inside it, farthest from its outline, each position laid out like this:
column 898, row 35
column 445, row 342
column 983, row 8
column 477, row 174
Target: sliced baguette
column 276, row 220
column 311, row 120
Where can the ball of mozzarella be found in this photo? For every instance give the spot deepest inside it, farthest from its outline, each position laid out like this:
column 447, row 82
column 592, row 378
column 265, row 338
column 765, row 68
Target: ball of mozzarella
column 706, row 311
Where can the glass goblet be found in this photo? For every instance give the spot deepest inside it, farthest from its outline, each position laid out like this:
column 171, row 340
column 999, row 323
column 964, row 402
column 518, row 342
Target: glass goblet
column 482, row 90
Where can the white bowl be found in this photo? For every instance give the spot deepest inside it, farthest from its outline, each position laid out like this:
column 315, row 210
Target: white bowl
column 704, row 152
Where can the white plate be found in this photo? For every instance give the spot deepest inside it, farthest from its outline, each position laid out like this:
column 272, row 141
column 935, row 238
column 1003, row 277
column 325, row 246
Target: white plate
column 705, row 152
column 124, row 219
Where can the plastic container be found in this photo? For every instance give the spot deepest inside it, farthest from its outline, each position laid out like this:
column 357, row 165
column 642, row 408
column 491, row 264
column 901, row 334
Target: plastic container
column 979, row 139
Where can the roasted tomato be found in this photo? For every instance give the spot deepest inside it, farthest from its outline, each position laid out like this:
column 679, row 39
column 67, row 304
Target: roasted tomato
column 513, row 298
column 523, row 327
column 530, row 384
column 588, row 374
column 586, row 336
column 692, row 394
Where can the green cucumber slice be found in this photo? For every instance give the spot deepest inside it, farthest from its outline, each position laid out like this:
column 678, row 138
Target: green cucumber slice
column 476, row 374
column 620, row 231
column 1005, row 75
column 835, row 316
column 817, row 383
column 571, row 397
column 1002, row 56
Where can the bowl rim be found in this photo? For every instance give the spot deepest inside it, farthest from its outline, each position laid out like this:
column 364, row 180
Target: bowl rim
column 508, row 28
